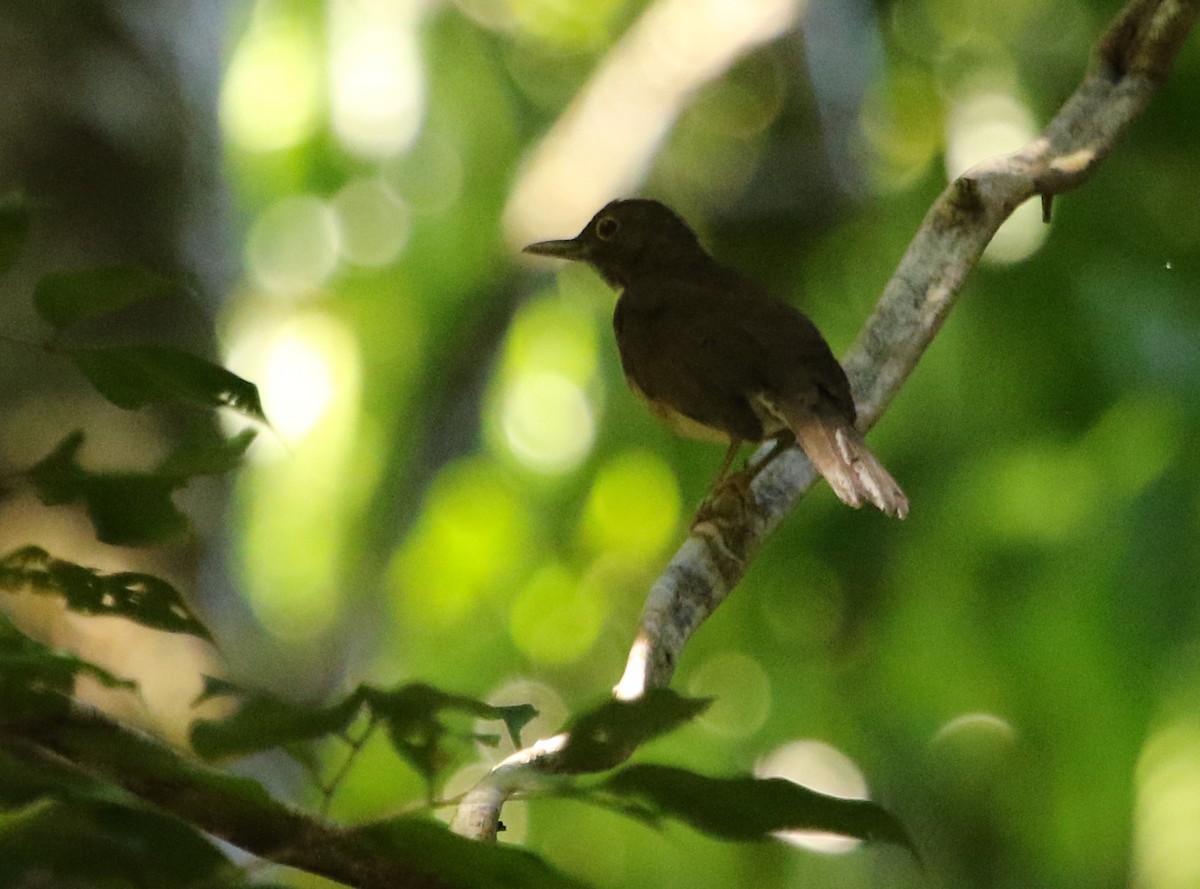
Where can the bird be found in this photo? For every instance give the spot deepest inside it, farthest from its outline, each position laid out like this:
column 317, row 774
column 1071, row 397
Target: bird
column 717, row 357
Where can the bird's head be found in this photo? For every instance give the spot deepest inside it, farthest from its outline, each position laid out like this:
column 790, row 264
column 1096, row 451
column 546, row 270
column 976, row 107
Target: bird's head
column 626, row 237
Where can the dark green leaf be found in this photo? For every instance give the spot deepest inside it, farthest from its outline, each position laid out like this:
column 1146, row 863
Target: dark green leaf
column 35, row 680
column 58, row 477
column 49, row 842
column 516, row 717
column 263, row 721
column 62, row 298
column 23, row 781
column 747, row 808
column 135, row 376
column 142, row 598
column 14, row 228
column 206, row 453
column 605, row 737
column 456, row 861
column 131, row 509
column 412, row 716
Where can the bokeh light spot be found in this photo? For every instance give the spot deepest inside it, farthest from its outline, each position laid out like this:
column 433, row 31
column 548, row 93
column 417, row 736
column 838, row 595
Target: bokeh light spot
column 298, row 383
column 378, row 87
column 542, row 410
column 555, row 619
column 976, row 725
column 373, row 223
column 1040, row 493
column 271, row 96
column 740, row 690
column 972, row 749
column 821, row 767
column 292, row 247
column 1167, row 808
column 472, row 536
column 984, row 125
column 307, row 367
column 547, row 422
column 633, row 507
column 1135, row 441
column 901, row 122
column 554, row 335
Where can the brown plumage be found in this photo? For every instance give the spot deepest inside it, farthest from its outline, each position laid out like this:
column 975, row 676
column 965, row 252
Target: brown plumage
column 717, row 357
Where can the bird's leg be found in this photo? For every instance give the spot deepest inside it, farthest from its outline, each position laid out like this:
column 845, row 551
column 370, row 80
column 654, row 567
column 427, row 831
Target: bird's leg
column 730, row 494
column 735, row 445
column 723, row 486
column 782, row 442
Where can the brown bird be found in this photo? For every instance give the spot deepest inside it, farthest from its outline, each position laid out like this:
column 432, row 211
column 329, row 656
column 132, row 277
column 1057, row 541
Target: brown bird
column 718, row 358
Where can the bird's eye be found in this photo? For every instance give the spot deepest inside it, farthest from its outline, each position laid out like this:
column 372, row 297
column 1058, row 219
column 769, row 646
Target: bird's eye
column 606, row 228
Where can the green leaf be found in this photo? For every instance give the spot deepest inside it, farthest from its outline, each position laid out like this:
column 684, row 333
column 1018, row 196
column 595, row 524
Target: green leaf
column 62, row 298
column 411, row 713
column 93, row 843
column 132, row 377
column 126, row 509
column 432, row 848
column 263, row 721
column 14, row 229
column 747, row 808
column 605, row 736
column 412, row 716
column 133, row 508
column 58, row 477
column 35, row 680
column 142, row 598
column 23, row 781
column 206, row 453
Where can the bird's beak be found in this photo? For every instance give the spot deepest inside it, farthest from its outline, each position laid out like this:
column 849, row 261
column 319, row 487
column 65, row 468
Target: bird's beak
column 575, row 248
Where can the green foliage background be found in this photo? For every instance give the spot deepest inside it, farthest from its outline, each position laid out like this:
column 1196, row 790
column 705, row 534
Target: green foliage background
column 1014, row 668
column 1046, row 442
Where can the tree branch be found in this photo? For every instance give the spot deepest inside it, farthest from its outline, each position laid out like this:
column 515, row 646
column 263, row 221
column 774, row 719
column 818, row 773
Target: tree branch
column 234, row 809
column 1130, row 63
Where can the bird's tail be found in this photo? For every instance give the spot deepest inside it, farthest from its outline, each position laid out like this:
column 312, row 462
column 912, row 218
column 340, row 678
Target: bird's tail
column 838, row 451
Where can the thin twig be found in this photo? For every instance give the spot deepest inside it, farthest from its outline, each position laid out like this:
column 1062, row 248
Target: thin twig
column 330, row 787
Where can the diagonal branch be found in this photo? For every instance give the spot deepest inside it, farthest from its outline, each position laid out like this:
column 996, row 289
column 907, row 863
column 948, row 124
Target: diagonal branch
column 1129, row 65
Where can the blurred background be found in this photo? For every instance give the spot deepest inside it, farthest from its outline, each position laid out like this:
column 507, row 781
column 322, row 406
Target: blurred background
column 459, row 489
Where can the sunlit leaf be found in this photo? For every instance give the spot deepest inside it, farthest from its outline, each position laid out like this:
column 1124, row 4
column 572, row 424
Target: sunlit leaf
column 263, row 721
column 431, row 847
column 132, row 377
column 62, row 298
column 14, row 228
column 747, row 808
column 605, row 736
column 142, row 598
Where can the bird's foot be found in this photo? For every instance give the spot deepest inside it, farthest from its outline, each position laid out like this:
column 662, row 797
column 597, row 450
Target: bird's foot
column 727, row 502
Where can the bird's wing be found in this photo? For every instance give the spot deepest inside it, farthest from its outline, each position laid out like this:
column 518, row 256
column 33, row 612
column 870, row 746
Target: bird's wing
column 686, row 353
